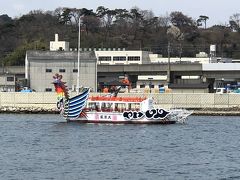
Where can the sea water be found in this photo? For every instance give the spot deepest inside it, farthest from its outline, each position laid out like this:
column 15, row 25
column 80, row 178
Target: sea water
column 46, row 147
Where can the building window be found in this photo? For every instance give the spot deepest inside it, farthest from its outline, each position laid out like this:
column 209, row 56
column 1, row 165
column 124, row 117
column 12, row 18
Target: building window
column 133, row 58
column 161, row 86
column 62, row 70
column 48, row 70
column 10, row 78
column 104, row 58
column 151, row 85
column 75, row 70
column 119, row 58
column 48, row 89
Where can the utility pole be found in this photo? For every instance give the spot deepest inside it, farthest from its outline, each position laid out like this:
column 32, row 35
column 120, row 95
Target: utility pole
column 168, row 69
column 180, row 52
column 78, row 64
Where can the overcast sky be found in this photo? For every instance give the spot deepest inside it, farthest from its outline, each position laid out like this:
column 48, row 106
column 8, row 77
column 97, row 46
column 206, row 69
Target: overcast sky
column 218, row 11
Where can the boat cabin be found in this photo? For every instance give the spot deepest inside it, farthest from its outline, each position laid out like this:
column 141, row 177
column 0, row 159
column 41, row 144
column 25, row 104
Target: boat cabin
column 118, row 104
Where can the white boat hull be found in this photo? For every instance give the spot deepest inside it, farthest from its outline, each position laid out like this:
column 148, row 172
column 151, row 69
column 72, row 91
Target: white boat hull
column 117, row 118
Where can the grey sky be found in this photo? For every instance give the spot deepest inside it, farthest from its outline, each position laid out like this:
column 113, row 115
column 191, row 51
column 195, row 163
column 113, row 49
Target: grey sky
column 218, row 11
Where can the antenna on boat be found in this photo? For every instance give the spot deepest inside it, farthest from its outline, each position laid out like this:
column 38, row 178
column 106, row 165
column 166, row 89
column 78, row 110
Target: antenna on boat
column 78, row 63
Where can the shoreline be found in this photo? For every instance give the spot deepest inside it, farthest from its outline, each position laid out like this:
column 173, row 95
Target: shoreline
column 216, row 113
column 234, row 111
column 231, row 111
column 27, row 110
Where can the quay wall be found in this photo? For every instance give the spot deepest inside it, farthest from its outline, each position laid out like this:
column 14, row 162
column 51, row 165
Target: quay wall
column 47, row 100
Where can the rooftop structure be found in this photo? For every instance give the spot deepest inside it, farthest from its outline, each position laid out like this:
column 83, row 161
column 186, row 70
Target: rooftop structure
column 59, row 45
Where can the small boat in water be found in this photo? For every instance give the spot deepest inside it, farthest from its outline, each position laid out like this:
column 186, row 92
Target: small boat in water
column 112, row 109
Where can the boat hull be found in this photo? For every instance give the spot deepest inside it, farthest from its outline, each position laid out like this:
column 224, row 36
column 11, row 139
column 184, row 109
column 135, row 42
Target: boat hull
column 163, row 122
column 117, row 118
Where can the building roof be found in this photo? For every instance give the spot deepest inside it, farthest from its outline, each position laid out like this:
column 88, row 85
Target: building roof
column 59, row 55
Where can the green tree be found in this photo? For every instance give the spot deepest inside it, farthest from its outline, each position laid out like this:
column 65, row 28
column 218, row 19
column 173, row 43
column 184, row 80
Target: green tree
column 201, row 19
column 18, row 56
column 235, row 22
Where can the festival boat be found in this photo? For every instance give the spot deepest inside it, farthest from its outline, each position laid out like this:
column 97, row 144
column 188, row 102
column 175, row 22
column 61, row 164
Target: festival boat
column 112, row 109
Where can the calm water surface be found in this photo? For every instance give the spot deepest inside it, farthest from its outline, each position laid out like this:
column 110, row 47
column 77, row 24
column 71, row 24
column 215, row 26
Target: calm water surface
column 45, row 147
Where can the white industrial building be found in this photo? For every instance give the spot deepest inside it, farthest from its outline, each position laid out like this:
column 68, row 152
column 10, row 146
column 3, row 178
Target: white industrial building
column 114, row 57
column 40, row 66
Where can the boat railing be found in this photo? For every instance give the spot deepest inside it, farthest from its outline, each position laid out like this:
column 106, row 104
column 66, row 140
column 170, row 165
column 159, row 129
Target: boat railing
column 116, row 109
column 113, row 104
column 122, row 99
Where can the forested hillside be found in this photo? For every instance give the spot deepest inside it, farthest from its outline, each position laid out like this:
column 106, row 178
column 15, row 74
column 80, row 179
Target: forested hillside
column 132, row 29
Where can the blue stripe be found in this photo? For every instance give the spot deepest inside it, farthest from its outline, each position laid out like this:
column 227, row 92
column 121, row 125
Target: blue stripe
column 79, row 96
column 79, row 108
column 74, row 106
column 76, row 101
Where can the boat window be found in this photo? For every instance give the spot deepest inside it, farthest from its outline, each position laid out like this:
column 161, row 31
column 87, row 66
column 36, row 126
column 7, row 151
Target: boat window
column 106, row 107
column 97, row 106
column 134, row 106
column 120, row 107
column 93, row 106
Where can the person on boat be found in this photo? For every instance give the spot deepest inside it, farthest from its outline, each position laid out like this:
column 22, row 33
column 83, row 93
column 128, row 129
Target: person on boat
column 112, row 89
column 127, row 82
column 115, row 91
column 105, row 90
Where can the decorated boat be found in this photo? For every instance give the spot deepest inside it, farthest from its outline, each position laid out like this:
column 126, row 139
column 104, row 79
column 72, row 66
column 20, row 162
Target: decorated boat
column 112, row 109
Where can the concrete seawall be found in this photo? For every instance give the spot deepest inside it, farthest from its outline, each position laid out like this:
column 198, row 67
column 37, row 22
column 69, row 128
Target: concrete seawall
column 201, row 103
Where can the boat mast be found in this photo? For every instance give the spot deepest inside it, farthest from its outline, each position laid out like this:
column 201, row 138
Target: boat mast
column 78, row 63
